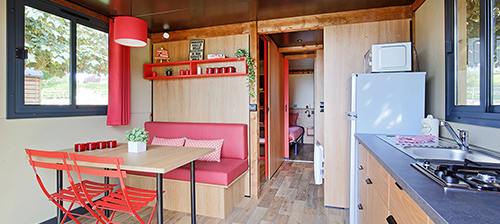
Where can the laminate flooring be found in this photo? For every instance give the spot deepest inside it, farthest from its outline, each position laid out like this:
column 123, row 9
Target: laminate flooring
column 304, row 152
column 289, row 197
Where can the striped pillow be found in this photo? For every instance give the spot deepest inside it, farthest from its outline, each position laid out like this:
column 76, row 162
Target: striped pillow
column 168, row 141
column 212, row 157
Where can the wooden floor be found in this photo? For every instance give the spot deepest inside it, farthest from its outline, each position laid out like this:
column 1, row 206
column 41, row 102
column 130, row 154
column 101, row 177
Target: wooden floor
column 290, row 197
column 304, row 152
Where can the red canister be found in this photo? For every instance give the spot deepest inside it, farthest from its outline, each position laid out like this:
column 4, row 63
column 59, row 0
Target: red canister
column 181, row 72
column 101, row 145
column 218, row 70
column 188, row 72
column 112, row 143
column 232, row 69
column 91, row 145
column 80, row 147
column 223, row 70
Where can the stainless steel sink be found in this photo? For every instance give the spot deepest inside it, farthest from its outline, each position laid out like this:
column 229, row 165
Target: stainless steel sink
column 452, row 154
column 442, row 150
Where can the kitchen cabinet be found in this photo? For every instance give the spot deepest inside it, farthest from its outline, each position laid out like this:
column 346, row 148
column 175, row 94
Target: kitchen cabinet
column 379, row 195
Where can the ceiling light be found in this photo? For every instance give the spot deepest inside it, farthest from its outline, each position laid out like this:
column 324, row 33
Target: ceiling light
column 131, row 31
column 166, row 35
column 299, row 40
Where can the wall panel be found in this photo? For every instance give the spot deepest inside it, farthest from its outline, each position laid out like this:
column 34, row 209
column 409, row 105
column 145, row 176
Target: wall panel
column 344, row 48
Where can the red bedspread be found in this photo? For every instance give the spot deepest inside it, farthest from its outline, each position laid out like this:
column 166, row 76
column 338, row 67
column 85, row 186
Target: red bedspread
column 295, row 132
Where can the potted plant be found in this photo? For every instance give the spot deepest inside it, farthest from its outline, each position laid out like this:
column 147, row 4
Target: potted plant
column 168, row 71
column 137, row 139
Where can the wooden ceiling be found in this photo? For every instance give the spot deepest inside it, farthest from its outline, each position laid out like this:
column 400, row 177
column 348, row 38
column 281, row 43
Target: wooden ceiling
column 169, row 15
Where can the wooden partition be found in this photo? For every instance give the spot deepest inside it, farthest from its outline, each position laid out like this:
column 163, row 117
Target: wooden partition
column 344, row 49
column 215, row 99
column 276, row 79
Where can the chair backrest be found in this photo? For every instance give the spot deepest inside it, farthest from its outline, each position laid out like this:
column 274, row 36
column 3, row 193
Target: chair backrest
column 49, row 160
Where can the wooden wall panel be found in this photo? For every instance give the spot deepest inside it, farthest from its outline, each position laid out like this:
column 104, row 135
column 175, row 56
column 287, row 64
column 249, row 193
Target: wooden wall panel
column 319, row 117
column 276, row 85
column 344, row 48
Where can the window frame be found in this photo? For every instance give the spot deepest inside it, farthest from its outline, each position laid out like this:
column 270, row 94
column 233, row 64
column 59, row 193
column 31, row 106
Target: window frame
column 15, row 66
column 485, row 114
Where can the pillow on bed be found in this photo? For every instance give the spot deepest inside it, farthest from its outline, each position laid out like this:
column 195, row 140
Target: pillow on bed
column 293, row 118
column 212, row 157
column 168, row 141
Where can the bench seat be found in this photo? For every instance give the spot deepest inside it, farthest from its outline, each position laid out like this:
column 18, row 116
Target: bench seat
column 222, row 173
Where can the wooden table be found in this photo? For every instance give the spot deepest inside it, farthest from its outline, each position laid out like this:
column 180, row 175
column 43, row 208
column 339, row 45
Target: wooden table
column 156, row 159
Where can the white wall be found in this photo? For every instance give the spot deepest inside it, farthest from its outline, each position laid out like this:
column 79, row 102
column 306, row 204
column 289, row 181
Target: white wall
column 429, row 39
column 22, row 201
column 301, row 90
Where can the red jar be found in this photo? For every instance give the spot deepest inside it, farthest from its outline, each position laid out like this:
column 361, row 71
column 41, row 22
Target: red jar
column 188, row 72
column 232, row 69
column 80, row 147
column 101, row 145
column 223, row 70
column 112, row 143
column 218, row 70
column 181, row 72
column 91, row 145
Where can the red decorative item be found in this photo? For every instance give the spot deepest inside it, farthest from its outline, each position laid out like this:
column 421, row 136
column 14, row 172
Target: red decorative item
column 181, row 72
column 112, row 144
column 232, row 69
column 131, row 31
column 209, row 70
column 101, row 145
column 223, row 70
column 188, row 72
column 91, row 145
column 218, row 70
column 154, row 74
column 80, row 147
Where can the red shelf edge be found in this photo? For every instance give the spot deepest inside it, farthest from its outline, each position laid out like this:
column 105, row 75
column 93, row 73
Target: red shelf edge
column 196, row 76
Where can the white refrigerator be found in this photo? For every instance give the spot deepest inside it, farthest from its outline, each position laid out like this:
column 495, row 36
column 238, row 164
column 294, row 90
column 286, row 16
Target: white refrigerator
column 383, row 103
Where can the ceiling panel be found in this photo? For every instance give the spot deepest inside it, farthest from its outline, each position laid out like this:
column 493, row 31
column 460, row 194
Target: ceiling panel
column 164, row 15
column 310, row 37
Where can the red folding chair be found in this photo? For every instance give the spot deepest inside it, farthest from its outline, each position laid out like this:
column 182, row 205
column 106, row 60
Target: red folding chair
column 127, row 199
column 72, row 194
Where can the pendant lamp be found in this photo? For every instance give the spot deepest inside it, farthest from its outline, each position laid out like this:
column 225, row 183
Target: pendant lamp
column 131, row 31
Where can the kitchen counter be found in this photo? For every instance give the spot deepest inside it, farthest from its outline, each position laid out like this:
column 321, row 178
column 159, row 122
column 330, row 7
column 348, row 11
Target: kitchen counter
column 441, row 205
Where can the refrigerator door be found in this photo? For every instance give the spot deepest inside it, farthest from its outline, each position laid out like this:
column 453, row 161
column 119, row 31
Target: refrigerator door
column 389, row 103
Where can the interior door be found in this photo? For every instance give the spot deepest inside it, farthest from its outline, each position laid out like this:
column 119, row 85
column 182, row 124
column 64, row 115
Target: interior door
column 276, row 100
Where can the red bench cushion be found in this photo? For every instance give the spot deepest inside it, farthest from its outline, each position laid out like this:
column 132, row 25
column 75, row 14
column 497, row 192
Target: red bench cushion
column 222, row 173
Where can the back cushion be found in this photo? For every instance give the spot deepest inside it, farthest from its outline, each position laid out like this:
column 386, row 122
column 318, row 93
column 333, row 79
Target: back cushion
column 212, row 157
column 169, row 141
column 292, row 119
column 235, row 135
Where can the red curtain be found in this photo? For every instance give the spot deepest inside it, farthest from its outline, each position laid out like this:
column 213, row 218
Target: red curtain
column 119, row 81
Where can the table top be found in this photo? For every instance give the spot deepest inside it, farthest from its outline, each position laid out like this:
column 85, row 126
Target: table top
column 156, row 159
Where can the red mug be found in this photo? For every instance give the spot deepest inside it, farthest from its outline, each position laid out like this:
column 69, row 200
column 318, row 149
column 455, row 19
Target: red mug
column 188, row 72
column 101, row 145
column 112, row 143
column 223, row 70
column 80, row 147
column 181, row 72
column 91, row 145
column 232, row 69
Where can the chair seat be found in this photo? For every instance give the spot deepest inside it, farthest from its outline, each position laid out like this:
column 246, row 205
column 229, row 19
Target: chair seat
column 94, row 189
column 116, row 201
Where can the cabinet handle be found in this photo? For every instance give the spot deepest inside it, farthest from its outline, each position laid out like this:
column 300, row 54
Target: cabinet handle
column 360, row 207
column 360, row 167
column 368, row 181
column 399, row 186
column 390, row 219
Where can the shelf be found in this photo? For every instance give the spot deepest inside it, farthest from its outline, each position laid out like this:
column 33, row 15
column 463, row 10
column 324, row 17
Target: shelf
column 238, row 62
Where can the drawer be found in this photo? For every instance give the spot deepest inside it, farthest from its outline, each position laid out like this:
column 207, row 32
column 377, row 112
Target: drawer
column 379, row 178
column 362, row 157
column 403, row 208
column 376, row 210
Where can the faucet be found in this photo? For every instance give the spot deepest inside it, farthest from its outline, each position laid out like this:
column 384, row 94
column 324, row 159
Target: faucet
column 461, row 139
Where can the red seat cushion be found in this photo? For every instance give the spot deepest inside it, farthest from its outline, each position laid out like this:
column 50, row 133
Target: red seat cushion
column 222, row 173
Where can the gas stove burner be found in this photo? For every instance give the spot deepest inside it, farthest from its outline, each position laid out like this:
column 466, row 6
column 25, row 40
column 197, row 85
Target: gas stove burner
column 488, row 177
column 462, row 176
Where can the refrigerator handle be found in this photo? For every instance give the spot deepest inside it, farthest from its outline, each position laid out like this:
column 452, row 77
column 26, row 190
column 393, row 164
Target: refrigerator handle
column 351, row 115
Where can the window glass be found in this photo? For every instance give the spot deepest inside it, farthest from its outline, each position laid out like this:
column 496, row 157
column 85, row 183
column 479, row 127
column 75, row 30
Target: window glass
column 92, row 66
column 46, row 73
column 467, row 81
column 495, row 89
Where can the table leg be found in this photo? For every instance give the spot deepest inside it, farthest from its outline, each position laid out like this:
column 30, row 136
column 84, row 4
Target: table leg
column 193, row 195
column 59, row 185
column 106, row 181
column 159, row 197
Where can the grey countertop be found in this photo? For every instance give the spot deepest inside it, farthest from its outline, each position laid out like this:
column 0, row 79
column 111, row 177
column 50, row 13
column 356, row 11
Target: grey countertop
column 441, row 205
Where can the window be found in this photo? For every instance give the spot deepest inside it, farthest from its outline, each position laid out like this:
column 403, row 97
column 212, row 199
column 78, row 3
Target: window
column 57, row 61
column 473, row 62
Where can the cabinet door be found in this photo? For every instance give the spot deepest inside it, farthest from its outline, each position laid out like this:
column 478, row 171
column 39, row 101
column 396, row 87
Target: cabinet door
column 362, row 185
column 376, row 210
column 403, row 208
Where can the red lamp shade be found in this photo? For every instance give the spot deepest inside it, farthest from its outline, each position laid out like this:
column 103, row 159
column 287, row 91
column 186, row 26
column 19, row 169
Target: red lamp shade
column 131, row 31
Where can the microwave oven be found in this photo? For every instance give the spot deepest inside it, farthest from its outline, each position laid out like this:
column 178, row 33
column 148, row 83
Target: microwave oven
column 391, row 57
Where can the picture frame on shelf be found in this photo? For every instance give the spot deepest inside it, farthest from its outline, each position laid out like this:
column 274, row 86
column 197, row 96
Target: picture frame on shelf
column 196, row 49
